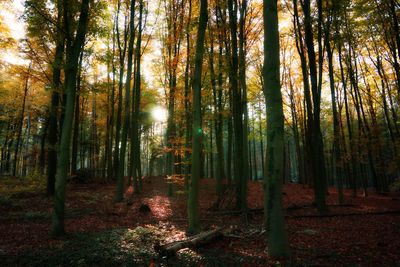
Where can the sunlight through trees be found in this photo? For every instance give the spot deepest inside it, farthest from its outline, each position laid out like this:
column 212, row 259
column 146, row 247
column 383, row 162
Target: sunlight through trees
column 229, row 91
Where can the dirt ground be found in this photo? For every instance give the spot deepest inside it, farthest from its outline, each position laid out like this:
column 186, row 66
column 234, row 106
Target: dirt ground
column 363, row 232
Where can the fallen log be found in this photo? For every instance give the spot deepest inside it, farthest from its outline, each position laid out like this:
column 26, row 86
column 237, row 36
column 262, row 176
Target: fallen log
column 198, row 240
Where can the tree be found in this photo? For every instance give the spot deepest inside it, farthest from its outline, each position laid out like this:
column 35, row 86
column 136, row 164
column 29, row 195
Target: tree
column 20, row 123
column 55, row 100
column 276, row 233
column 312, row 67
column 119, row 195
column 197, row 131
column 172, row 39
column 135, row 133
column 74, row 45
column 240, row 175
column 336, row 146
column 122, row 54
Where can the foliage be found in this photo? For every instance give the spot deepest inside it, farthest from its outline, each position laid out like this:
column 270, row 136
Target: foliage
column 12, row 186
column 120, row 247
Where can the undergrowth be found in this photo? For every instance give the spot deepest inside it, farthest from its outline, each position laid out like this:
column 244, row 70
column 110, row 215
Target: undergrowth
column 122, row 247
column 119, row 247
column 18, row 187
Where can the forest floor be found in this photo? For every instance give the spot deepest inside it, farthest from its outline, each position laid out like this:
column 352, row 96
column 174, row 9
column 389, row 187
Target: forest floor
column 364, row 232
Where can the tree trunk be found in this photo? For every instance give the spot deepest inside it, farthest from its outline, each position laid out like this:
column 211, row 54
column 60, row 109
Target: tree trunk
column 192, row 242
column 255, row 172
column 135, row 133
column 187, row 98
column 42, row 156
column 125, row 127
column 197, row 132
column 336, row 146
column 55, row 101
column 237, row 110
column 278, row 245
column 74, row 48
column 122, row 54
column 243, row 98
column 75, row 138
column 308, row 105
column 218, row 135
column 20, row 123
column 317, row 149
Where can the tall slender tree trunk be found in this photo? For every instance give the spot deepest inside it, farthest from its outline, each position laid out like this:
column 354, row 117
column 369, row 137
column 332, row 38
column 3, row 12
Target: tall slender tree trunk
column 75, row 139
column 122, row 54
column 255, row 172
column 278, row 245
column 42, row 155
column 135, row 133
column 111, row 109
column 4, row 148
column 55, row 101
column 20, row 122
column 229, row 151
column 243, row 95
column 308, row 105
column 261, row 135
column 197, row 132
column 125, row 127
column 317, row 149
column 187, row 98
column 237, row 110
column 354, row 165
column 219, row 126
column 336, row 146
column 175, row 17
column 218, row 135
column 74, row 48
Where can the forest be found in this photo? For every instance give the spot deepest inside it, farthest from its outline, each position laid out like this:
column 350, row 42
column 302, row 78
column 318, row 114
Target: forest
column 199, row 133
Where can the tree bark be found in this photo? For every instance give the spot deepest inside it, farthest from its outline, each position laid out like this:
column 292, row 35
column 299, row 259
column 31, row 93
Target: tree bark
column 197, row 131
column 135, row 132
column 317, row 149
column 74, row 48
column 20, row 123
column 55, row 101
column 278, row 245
column 122, row 54
column 237, row 110
column 125, row 127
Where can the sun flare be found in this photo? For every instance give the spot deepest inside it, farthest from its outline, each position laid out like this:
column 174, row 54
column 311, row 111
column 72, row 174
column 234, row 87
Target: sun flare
column 159, row 114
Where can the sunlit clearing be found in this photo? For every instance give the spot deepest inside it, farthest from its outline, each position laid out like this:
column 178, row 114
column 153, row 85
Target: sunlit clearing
column 159, row 114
